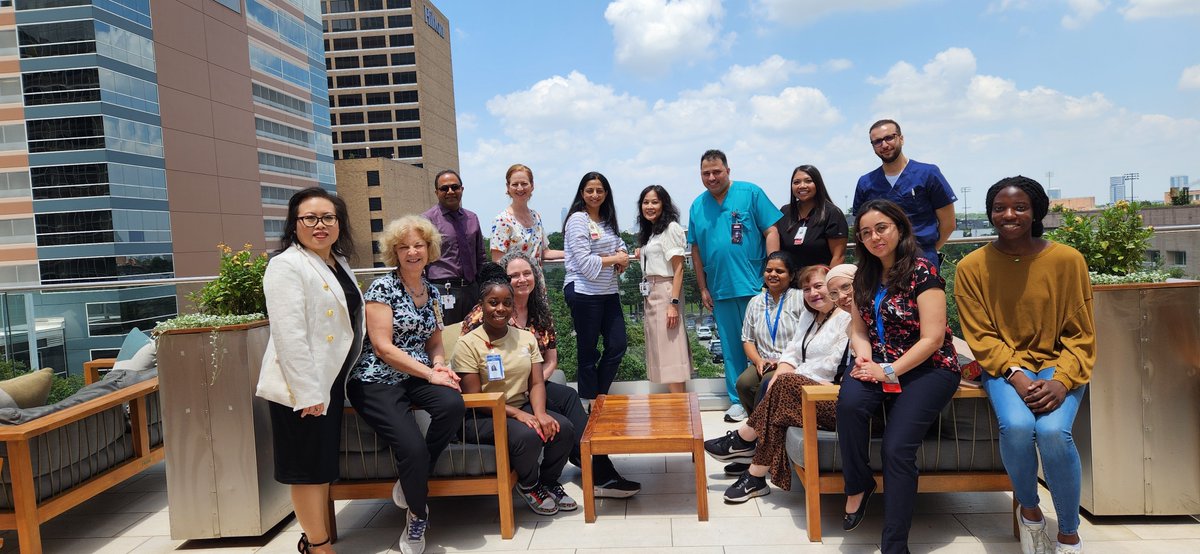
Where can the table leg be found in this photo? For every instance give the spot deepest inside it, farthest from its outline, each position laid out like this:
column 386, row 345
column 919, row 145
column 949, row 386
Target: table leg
column 589, row 492
column 701, row 480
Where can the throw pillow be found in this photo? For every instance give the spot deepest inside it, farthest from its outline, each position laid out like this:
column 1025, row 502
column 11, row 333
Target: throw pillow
column 134, row 341
column 31, row 389
column 145, row 358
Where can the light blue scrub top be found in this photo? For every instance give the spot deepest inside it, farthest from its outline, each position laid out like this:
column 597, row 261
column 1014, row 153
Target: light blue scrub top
column 732, row 270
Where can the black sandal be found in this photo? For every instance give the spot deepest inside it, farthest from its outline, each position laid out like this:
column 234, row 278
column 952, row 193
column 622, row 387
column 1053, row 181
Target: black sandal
column 304, row 546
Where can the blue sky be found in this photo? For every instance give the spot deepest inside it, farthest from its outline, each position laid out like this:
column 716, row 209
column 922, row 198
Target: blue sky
column 637, row 89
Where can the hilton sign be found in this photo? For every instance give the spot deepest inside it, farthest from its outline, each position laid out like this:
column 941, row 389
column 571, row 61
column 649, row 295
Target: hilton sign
column 433, row 22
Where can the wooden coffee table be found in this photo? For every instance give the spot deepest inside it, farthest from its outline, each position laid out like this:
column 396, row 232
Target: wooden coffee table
column 644, row 424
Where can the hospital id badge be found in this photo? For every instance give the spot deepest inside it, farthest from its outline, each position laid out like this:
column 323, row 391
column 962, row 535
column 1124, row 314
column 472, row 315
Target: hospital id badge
column 644, row 287
column 495, row 368
column 735, row 232
column 799, row 238
column 448, row 301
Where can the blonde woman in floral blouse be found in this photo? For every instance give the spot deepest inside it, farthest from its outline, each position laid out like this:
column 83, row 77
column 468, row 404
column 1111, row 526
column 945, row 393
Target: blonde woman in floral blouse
column 518, row 228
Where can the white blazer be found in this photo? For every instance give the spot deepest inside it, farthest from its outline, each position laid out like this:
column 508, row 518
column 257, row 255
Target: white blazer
column 311, row 331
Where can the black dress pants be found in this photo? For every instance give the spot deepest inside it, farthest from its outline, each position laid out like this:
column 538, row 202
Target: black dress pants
column 525, row 447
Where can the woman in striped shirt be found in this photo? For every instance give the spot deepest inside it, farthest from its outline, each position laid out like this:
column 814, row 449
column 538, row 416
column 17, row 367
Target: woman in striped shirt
column 595, row 258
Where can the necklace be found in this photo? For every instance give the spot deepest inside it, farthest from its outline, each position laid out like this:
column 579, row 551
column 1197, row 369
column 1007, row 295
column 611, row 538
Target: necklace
column 413, row 292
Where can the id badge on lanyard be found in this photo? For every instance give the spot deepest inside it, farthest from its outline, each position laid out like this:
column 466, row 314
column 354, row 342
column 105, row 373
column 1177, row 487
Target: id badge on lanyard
column 737, row 228
column 879, row 296
column 798, row 239
column 448, row 299
column 644, row 287
column 495, row 367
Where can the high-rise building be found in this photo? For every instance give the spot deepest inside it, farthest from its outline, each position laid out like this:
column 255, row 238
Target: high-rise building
column 1054, row 193
column 391, row 82
column 1179, row 181
column 133, row 141
column 1116, row 189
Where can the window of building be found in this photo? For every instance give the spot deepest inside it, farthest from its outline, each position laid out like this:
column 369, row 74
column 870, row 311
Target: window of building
column 352, row 154
column 285, row 102
column 8, row 42
column 404, row 78
column 268, row 161
column 375, row 79
column 345, row 81
column 339, row 25
column 345, row 43
column 383, row 152
column 377, row 135
column 1177, row 257
column 10, row 90
column 384, row 116
column 376, row 225
column 341, row 6
column 126, row 90
column 53, row 135
column 276, row 195
column 80, row 227
column 16, row 231
column 354, row 136
column 397, row 41
column 12, row 137
column 346, row 62
column 406, row 96
column 375, row 204
column 398, row 4
column 1153, row 256
column 375, row 60
column 372, row 178
column 124, row 46
column 370, row 5
column 374, row 42
column 350, row 118
column 371, row 23
column 69, row 181
column 273, row 228
column 349, row 100
column 58, row 38
column 120, row 317
column 378, row 98
column 404, row 58
column 408, row 133
column 56, row 87
column 14, row 184
column 399, row 21
column 285, row 133
column 409, row 151
column 375, row 247
column 413, row 114
column 133, row 137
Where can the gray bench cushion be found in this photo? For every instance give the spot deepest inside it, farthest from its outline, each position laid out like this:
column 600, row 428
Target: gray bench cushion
column 364, row 456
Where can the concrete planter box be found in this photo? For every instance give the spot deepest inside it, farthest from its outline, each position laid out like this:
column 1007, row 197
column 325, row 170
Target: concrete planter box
column 220, row 471
column 1138, row 429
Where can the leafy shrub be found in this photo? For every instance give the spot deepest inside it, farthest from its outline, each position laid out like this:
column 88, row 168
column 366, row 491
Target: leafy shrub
column 1112, row 242
column 238, row 288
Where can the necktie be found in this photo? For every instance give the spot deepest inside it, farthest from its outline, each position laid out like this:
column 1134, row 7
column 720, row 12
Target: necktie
column 465, row 260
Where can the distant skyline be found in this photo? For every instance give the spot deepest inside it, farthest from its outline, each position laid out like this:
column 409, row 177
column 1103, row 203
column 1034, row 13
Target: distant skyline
column 638, row 89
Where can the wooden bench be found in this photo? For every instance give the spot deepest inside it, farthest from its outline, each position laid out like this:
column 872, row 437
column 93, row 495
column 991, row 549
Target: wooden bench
column 818, row 480
column 34, row 497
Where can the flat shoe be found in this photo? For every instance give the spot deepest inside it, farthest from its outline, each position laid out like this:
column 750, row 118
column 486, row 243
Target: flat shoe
column 852, row 521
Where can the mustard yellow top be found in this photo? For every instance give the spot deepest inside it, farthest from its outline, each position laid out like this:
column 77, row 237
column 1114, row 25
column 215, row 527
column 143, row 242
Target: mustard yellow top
column 518, row 352
column 1033, row 313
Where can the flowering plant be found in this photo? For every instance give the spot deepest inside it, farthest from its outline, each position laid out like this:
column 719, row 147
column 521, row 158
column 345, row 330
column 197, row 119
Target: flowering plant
column 238, row 288
column 1112, row 242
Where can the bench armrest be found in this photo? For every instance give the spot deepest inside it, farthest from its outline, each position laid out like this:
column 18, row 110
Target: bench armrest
column 91, row 370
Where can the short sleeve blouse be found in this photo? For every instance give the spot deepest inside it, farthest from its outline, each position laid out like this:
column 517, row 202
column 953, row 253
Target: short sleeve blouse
column 661, row 248
column 411, row 328
column 508, row 235
column 902, row 321
column 813, row 247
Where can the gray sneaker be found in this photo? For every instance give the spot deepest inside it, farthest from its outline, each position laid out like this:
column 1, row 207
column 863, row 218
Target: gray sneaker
column 540, row 500
column 735, row 413
column 413, row 539
column 561, row 498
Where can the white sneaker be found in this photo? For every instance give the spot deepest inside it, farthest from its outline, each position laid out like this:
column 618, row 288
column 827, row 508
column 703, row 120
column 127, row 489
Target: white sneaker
column 413, row 539
column 1033, row 535
column 1061, row 548
column 398, row 496
column 735, row 413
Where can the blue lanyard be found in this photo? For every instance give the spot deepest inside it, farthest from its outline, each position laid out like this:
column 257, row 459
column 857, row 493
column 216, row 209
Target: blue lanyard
column 778, row 310
column 879, row 320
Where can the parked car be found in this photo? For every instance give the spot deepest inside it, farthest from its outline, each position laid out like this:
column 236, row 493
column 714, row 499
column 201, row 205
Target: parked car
column 708, row 320
column 717, row 352
column 704, row 332
column 691, row 327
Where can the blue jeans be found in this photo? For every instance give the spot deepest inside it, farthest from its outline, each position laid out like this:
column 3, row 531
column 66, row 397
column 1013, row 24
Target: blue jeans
column 596, row 316
column 1023, row 435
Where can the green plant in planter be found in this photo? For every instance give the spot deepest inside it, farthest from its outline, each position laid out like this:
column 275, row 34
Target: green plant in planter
column 1112, row 242
column 234, row 297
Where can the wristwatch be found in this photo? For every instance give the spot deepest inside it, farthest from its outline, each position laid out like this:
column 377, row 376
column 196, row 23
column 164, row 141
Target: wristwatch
column 889, row 373
column 1008, row 373
column 675, row 301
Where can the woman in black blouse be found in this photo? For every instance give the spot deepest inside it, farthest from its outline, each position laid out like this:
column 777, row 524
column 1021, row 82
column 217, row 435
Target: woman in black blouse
column 812, row 229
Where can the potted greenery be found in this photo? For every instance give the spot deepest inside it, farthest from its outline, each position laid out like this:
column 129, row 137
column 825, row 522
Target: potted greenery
column 219, row 477
column 1138, row 430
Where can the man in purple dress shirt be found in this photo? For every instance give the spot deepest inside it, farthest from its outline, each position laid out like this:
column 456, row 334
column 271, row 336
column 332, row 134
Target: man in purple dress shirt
column 463, row 251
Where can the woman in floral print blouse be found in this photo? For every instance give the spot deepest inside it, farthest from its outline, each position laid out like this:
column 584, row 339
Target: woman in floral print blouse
column 518, row 228
column 904, row 358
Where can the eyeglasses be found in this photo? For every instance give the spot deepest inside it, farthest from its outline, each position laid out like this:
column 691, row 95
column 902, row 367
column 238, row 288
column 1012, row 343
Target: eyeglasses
column 888, row 139
column 449, row 188
column 880, row 229
column 311, row 220
column 838, row 292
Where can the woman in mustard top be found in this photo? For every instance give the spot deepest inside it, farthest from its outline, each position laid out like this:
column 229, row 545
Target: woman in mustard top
column 1026, row 309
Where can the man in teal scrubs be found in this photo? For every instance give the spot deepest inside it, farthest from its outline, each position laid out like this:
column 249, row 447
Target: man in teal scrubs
column 731, row 230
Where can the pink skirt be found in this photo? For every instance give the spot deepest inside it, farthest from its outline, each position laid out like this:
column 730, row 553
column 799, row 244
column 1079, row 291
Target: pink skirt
column 667, row 357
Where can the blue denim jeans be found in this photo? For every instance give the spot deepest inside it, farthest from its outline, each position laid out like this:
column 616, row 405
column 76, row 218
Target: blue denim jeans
column 1023, row 435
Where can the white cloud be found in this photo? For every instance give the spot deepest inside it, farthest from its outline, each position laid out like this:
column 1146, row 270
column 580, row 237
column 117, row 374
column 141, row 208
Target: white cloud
column 1082, row 11
column 651, row 35
column 838, row 64
column 1143, row 9
column 799, row 12
column 772, row 72
column 794, row 109
column 467, row 121
column 1190, row 78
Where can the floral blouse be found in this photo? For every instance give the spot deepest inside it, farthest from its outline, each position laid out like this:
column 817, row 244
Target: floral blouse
column 546, row 338
column 902, row 321
column 411, row 328
column 508, row 234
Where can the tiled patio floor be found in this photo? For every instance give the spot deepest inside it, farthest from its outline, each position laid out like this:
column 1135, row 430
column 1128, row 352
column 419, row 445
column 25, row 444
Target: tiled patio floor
column 132, row 518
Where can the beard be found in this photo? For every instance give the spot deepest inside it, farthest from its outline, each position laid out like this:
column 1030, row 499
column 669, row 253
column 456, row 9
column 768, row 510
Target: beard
column 891, row 158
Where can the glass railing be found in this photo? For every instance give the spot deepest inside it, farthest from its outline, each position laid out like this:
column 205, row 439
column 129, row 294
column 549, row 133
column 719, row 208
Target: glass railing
column 61, row 326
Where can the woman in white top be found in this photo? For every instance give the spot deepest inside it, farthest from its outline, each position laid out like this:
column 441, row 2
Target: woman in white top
column 811, row 358
column 662, row 244
column 595, row 257
column 518, row 228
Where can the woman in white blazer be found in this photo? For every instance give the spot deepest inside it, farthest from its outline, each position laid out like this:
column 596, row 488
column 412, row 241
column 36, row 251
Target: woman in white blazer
column 316, row 311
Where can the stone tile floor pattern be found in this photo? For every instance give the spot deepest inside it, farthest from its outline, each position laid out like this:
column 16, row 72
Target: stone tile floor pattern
column 132, row 518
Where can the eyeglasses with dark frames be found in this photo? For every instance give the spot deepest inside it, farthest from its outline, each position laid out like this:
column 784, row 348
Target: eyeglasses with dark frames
column 448, row 188
column 311, row 220
column 888, row 139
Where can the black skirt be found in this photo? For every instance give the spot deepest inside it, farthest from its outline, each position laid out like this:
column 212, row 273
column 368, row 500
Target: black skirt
column 307, row 448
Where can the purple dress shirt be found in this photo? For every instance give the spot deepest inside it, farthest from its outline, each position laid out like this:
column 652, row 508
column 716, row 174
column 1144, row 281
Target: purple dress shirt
column 463, row 252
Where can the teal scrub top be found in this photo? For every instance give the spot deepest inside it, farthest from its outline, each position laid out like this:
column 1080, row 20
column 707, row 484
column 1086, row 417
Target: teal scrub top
column 732, row 270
